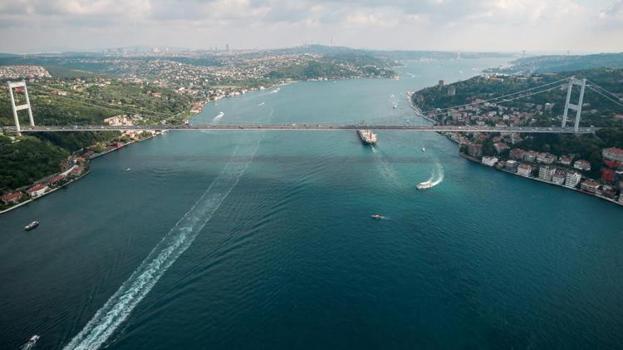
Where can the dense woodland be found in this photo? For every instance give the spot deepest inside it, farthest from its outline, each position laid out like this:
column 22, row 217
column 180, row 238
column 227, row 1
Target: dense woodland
column 27, row 160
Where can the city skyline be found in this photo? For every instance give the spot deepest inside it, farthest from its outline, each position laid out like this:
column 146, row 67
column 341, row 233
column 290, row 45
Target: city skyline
column 30, row 26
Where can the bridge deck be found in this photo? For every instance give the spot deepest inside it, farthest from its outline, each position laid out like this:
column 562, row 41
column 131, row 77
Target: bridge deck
column 303, row 127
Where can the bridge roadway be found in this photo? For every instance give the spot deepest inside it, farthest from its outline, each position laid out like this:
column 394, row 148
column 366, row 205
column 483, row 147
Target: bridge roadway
column 303, row 127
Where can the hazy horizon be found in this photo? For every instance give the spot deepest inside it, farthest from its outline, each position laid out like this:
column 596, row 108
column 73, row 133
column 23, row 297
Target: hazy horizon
column 35, row 26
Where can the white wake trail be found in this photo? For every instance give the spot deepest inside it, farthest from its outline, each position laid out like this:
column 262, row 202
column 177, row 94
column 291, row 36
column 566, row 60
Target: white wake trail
column 117, row 309
column 218, row 117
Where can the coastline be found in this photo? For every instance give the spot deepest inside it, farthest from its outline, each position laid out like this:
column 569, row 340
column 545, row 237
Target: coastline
column 87, row 172
column 475, row 160
column 46, row 193
column 579, row 190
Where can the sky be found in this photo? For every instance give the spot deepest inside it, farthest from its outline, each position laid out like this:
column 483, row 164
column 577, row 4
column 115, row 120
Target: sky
column 29, row 26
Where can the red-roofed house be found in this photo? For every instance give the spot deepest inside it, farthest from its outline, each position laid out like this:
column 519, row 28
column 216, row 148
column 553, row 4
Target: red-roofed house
column 12, row 197
column 613, row 157
column 56, row 179
column 37, row 190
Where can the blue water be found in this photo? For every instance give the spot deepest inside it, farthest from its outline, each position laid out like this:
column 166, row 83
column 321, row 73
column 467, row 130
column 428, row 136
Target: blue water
column 263, row 240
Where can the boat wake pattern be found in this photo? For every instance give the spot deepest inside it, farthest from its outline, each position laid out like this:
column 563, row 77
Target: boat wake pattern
column 275, row 91
column 218, row 117
column 117, row 309
column 386, row 169
column 436, row 176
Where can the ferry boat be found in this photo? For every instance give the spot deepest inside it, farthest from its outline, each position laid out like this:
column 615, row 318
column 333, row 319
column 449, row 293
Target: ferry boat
column 31, row 226
column 367, row 136
column 424, row 185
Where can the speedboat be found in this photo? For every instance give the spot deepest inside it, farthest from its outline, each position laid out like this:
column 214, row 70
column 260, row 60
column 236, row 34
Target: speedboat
column 377, row 216
column 31, row 226
column 31, row 342
column 424, row 185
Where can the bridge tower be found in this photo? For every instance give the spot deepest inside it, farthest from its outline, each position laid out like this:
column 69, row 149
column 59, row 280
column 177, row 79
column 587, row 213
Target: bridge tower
column 576, row 107
column 20, row 86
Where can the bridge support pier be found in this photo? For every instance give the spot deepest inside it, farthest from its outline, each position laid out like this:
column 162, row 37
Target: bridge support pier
column 21, row 85
column 576, row 107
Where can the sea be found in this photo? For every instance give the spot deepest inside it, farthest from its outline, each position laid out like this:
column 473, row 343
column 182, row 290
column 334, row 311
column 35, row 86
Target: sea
column 264, row 240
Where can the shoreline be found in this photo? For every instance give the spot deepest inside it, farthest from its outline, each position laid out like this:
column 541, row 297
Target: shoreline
column 475, row 160
column 92, row 157
column 579, row 190
column 46, row 193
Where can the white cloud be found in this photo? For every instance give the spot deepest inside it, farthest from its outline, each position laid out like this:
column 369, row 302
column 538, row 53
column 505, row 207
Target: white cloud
column 407, row 24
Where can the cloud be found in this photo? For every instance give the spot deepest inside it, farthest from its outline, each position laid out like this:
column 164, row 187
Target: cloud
column 460, row 24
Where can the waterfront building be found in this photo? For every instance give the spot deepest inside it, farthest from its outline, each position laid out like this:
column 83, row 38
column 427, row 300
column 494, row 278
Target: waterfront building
column 474, row 149
column 565, row 160
column 608, row 175
column 12, row 197
column 559, row 177
column 55, row 180
column 37, row 190
column 546, row 172
column 573, row 179
column 511, row 166
column 582, row 164
column 517, row 154
column 524, row 170
column 545, row 158
column 489, row 161
column 500, row 147
column 590, row 185
column 607, row 191
column 530, row 156
column 613, row 157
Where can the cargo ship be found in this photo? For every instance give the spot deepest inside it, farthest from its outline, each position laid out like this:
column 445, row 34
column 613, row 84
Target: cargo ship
column 367, row 136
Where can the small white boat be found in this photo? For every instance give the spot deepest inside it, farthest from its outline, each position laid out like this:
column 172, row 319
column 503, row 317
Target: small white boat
column 423, row 149
column 424, row 185
column 377, row 216
column 31, row 226
column 31, row 342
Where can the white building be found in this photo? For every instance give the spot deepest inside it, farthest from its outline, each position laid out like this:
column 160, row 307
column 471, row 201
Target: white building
column 524, row 170
column 489, row 161
column 573, row 179
column 37, row 190
column 582, row 165
column 559, row 177
column 546, row 173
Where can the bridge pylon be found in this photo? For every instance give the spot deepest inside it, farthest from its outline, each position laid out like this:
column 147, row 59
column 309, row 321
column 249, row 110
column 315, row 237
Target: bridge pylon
column 576, row 107
column 21, row 87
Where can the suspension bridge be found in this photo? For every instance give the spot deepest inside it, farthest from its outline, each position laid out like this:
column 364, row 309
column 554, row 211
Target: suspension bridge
column 306, row 127
column 569, row 83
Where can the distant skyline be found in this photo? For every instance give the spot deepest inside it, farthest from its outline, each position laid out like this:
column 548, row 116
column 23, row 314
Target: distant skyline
column 29, row 26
